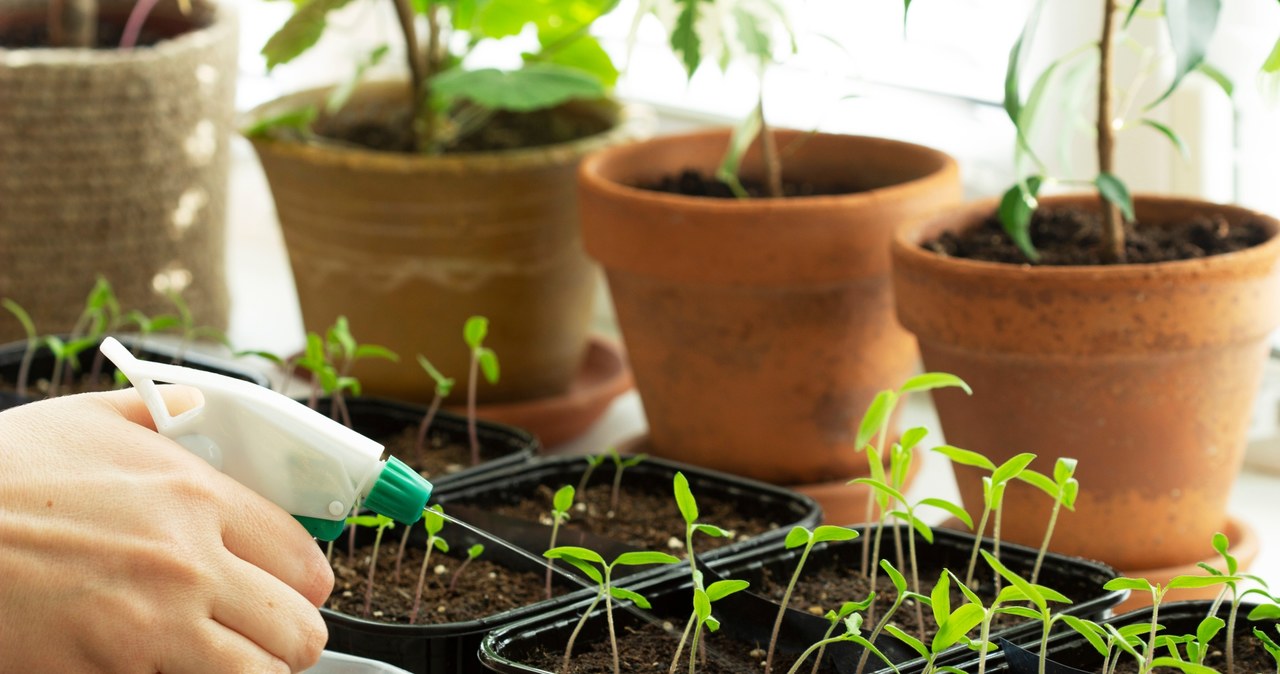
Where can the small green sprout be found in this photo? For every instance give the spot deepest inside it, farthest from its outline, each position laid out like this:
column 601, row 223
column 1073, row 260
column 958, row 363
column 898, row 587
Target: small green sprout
column 1063, row 489
column 1158, row 593
column 444, row 386
column 798, row 537
column 836, row 618
column 899, row 584
column 953, row 626
column 1038, row 596
column 33, row 343
column 908, row 514
column 688, row 507
column 188, row 330
column 100, row 316
column 993, row 488
column 853, row 632
column 1005, row 602
column 900, row 455
column 619, row 466
column 433, row 521
column 1197, row 644
column 583, row 559
column 315, row 359
column 148, row 326
column 381, row 523
column 472, row 553
column 1270, row 645
column 342, row 353
column 702, row 600
column 561, row 504
column 1231, row 568
column 593, row 462
column 482, row 358
column 64, row 354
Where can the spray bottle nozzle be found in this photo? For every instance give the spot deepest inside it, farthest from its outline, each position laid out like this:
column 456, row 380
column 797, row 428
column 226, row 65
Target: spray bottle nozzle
column 310, row 465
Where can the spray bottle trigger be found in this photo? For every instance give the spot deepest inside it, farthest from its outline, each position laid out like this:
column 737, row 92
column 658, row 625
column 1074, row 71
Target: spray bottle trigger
column 323, row 530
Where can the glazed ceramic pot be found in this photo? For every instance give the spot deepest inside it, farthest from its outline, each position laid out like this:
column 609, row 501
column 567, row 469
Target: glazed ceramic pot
column 759, row 330
column 408, row 246
column 1144, row 373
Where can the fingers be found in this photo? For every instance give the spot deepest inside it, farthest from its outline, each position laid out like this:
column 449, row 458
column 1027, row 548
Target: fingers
column 260, row 533
column 129, row 404
column 216, row 648
column 269, row 613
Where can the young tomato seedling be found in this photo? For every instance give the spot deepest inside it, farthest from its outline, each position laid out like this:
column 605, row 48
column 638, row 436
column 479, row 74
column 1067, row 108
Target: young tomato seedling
column 444, row 386
column 482, row 359
column 802, row 537
column 33, row 343
column 433, row 522
column 379, row 523
column 619, row 465
column 1063, row 489
column 953, row 626
column 853, row 633
column 1147, row 658
column 561, row 504
column 593, row 462
column 473, row 552
column 993, row 487
column 702, row 600
column 689, row 512
column 584, row 559
column 836, row 618
column 1039, row 597
column 1231, row 567
column 343, row 352
column 900, row 585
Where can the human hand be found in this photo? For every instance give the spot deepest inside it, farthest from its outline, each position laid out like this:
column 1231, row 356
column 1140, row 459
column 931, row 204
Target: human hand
column 122, row 552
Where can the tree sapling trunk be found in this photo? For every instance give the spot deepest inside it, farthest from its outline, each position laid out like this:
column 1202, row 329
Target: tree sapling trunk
column 73, row 23
column 1113, row 244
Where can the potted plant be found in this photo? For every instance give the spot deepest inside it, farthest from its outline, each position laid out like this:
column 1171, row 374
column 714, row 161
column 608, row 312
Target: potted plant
column 758, row 327
column 1127, row 332
column 115, row 148
column 410, row 205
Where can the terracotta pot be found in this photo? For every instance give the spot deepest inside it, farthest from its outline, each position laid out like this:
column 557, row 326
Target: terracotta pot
column 1145, row 373
column 759, row 330
column 408, row 246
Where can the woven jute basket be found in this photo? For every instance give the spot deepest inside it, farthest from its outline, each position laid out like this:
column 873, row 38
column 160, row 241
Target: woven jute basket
column 114, row 163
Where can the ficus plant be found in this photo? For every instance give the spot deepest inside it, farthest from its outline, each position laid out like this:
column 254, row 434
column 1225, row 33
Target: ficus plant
column 449, row 97
column 587, row 562
column 561, row 504
column 800, row 537
column 482, row 359
column 1190, row 24
column 433, row 522
column 379, row 523
column 443, row 386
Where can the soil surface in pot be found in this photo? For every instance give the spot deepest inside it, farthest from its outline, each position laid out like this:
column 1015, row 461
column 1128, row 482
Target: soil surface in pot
column 483, row 589
column 440, row 456
column 388, row 130
column 1250, row 656
column 649, row 647
column 1070, row 237
column 692, row 183
column 33, row 32
column 645, row 518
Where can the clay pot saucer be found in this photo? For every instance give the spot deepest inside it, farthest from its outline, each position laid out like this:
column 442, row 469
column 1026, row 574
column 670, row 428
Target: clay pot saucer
column 602, row 376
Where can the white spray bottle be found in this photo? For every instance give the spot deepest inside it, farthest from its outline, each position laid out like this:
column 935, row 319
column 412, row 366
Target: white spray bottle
column 308, row 464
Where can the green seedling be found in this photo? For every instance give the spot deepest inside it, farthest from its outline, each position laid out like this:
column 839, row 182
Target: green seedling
column 482, row 359
column 472, row 553
column 1270, row 645
column 688, row 507
column 1191, row 26
column 1003, row 603
column 1231, row 567
column 900, row 456
column 900, row 585
column 286, row 366
column 953, row 626
column 561, row 504
column 33, row 343
column 836, row 618
column 875, row 425
column 188, row 330
column 1110, row 642
column 343, row 353
column 379, row 523
column 908, row 514
column 1158, row 592
column 101, row 315
column 433, row 522
column 315, row 359
column 593, row 462
column 444, row 386
column 148, row 326
column 584, row 559
column 993, row 488
column 1197, row 645
column 1063, row 489
column 619, row 466
column 1038, row 596
column 702, row 600
column 853, row 633
column 802, row 537
column 65, row 354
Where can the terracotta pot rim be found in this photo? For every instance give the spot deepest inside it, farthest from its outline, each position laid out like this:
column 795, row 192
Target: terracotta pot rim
column 589, row 173
column 222, row 22
column 906, row 245
column 631, row 120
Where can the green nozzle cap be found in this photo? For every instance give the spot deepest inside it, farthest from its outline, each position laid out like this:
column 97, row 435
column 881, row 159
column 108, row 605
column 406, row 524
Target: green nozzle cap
column 400, row 493
column 325, row 530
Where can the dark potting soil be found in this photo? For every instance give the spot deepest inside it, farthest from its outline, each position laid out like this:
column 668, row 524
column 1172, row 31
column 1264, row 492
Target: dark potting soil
column 390, row 131
column 1250, row 657
column 692, row 183
column 483, row 589
column 439, row 457
column 649, row 647
column 1070, row 237
column 649, row 520
column 34, row 34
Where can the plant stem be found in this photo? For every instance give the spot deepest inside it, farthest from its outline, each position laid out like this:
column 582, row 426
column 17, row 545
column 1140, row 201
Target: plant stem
column 1231, row 630
column 986, row 639
column 875, row 568
column 608, row 614
column 417, row 67
column 453, row 582
column 769, row 153
column 1044, row 545
column 693, row 649
column 133, row 26
column 422, row 580
column 471, row 409
column 617, row 488
column 817, row 660
column 977, row 543
column 915, row 586
column 1046, row 623
column 1112, row 223
column 875, row 633
column 404, row 540
column 421, row 444
column 995, row 544
column 426, row 141
column 555, row 529
column 815, row 647
column 1150, row 653
column 782, row 610
column 24, row 370
column 373, row 567
column 684, row 636
column 573, row 636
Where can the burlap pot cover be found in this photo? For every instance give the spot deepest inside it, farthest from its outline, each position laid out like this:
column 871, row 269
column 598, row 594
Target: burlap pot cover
column 115, row 163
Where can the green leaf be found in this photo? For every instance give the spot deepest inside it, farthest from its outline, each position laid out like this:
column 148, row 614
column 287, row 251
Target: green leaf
column 1019, row 611
column 827, row 533
column 1069, row 492
column 753, row 37
column 711, row 530
column 534, row 87
column 899, row 582
column 432, row 519
column 475, row 551
column 1191, row 24
column 723, row 588
column 1270, row 67
column 907, row 639
column 1013, row 70
column 684, row 499
column 1063, row 469
column 586, row 55
column 743, row 135
column 1133, row 9
column 940, row 598
column 1209, row 628
column 1015, row 211
column 1265, row 612
column 969, row 594
column 1220, row 78
column 570, row 551
column 684, row 36
column 28, row 326
column 590, row 571
column 1184, row 666
column 701, row 604
column 965, row 457
column 296, row 120
column 1040, row 481
column 796, row 537
column 1010, row 469
column 955, row 626
column 955, row 510
column 1027, row 589
column 912, row 437
column 563, row 499
column 1193, row 582
column 1267, row 642
column 1124, row 583
column 877, row 413
column 488, row 364
column 363, row 521
column 474, row 331
column 627, row 595
column 342, row 93
column 639, row 558
column 440, row 544
column 1114, row 191
column 1089, row 630
column 1171, row 135
column 880, row 487
column 376, row 351
column 347, row 384
column 339, row 335
column 300, row 32
column 934, row 380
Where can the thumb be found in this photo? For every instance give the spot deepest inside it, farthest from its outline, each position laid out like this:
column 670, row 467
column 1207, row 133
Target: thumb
column 128, row 403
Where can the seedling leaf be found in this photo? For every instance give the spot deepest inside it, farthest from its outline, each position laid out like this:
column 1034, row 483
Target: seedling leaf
column 899, row 582
column 627, row 595
column 684, row 499
column 1125, row 583
column 955, row 510
column 907, row 639
column 1191, row 582
column 723, row 588
column 645, row 557
column 376, row 351
column 1030, row 591
column 475, row 330
column 934, row 380
column 1039, row 481
column 567, row 552
column 797, row 537
column 711, row 530
column 1265, row 612
column 1010, row 469
column 965, row 457
column 955, row 626
column 1087, row 629
column 875, row 416
column 1183, row 665
column 913, row 436
column 1191, row 24
column 488, row 364
column 563, row 499
column 827, row 532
